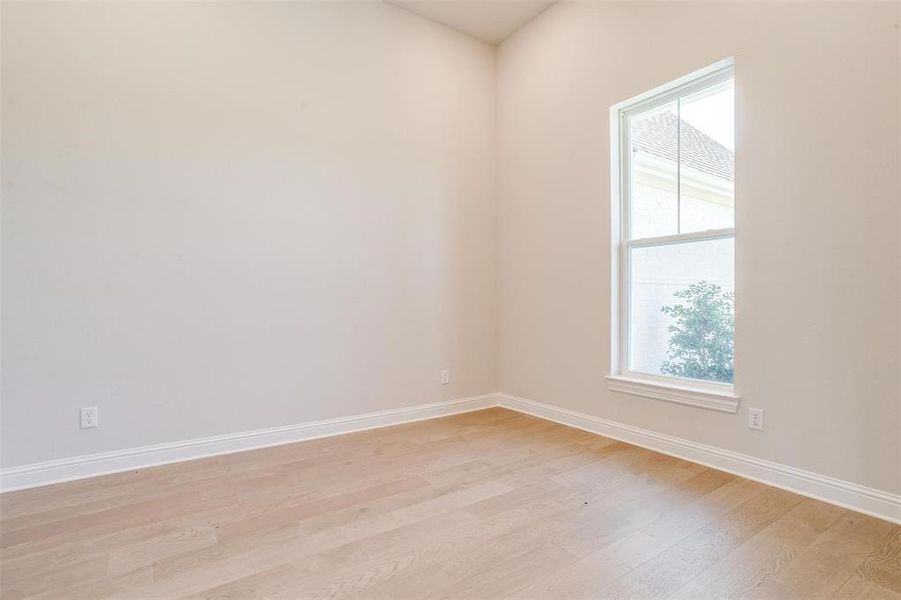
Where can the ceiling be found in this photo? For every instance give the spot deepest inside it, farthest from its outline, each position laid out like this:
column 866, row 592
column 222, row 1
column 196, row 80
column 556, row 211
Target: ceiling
column 491, row 21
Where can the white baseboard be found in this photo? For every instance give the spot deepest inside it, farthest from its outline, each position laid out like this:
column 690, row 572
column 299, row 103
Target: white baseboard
column 877, row 503
column 105, row 463
column 870, row 501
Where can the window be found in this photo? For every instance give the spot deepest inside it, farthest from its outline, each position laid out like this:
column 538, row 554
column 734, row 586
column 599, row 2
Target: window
column 674, row 242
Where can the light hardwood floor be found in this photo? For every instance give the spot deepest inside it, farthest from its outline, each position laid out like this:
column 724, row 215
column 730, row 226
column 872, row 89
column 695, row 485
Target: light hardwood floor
column 490, row 504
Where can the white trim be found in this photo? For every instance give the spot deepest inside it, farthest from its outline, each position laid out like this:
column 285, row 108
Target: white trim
column 870, row 501
column 681, row 392
column 618, row 179
column 105, row 463
column 697, row 80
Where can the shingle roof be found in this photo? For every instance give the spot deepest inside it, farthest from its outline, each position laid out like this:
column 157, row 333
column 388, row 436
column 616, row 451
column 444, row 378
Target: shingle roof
column 658, row 136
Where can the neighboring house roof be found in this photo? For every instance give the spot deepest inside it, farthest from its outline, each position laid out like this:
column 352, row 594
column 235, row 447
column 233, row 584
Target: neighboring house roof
column 659, row 135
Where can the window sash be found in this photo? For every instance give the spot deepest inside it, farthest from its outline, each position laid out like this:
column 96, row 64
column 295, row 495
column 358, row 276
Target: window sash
column 625, row 130
column 626, row 303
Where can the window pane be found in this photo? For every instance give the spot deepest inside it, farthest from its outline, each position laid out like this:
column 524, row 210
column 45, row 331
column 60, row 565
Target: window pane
column 681, row 310
column 654, row 192
column 706, row 159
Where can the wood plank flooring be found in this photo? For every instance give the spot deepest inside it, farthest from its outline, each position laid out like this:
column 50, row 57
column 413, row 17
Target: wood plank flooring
column 484, row 505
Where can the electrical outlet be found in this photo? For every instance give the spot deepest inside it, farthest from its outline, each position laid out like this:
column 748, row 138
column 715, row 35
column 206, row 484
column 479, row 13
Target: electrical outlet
column 755, row 418
column 89, row 417
column 445, row 377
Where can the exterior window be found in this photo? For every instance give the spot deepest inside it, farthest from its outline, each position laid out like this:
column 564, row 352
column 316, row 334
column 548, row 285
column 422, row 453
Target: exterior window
column 674, row 233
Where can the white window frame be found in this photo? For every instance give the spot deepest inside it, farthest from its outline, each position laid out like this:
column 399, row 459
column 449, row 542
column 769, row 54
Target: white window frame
column 692, row 392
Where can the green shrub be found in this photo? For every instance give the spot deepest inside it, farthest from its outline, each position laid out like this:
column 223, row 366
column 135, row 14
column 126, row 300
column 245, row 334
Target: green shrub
column 702, row 336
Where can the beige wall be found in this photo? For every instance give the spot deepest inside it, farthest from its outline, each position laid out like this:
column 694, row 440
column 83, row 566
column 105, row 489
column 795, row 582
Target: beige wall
column 225, row 216
column 817, row 214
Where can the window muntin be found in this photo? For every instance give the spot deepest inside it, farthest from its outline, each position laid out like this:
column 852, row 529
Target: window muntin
column 677, row 234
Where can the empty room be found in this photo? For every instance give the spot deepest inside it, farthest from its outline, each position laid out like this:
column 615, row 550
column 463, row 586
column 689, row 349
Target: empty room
column 461, row 299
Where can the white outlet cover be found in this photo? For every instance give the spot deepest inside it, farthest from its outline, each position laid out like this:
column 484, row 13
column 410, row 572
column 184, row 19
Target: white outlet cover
column 445, row 376
column 88, row 417
column 755, row 418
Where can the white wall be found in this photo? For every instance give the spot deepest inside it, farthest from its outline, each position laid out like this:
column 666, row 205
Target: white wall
column 817, row 214
column 225, row 216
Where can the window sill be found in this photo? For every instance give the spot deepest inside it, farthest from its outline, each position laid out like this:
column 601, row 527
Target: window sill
column 682, row 394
